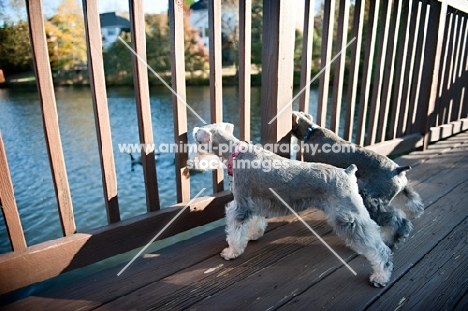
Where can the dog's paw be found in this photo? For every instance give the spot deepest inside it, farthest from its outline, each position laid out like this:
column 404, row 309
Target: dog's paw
column 229, row 254
column 378, row 280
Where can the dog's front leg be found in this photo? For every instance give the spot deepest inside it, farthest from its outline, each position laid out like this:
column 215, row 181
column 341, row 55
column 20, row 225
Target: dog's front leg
column 236, row 230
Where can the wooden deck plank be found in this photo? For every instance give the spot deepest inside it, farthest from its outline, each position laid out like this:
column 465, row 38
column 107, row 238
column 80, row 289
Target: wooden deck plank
column 422, row 287
column 20, row 269
column 105, row 286
column 434, row 226
column 297, row 271
column 199, row 285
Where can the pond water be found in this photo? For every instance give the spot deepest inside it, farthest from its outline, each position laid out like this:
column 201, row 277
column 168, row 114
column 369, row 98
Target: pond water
column 23, row 134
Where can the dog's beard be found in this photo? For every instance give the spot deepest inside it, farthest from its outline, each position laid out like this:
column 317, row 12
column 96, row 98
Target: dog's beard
column 204, row 161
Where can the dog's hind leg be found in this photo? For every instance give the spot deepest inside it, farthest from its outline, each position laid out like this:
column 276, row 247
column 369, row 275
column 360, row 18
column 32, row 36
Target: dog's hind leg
column 409, row 201
column 363, row 235
column 256, row 228
column 395, row 226
column 237, row 221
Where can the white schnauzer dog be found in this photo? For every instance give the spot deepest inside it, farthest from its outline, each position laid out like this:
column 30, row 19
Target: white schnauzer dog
column 301, row 185
column 383, row 185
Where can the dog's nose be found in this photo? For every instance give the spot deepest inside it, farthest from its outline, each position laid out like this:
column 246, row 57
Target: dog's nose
column 194, row 133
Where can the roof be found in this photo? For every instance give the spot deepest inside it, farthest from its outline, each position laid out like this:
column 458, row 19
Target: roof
column 113, row 20
column 199, row 5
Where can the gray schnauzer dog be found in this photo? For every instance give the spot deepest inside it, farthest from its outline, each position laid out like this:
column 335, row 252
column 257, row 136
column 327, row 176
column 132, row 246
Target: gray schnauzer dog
column 301, row 185
column 383, row 185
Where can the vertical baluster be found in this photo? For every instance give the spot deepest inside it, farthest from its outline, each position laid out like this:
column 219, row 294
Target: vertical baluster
column 49, row 115
column 176, row 20
column 101, row 112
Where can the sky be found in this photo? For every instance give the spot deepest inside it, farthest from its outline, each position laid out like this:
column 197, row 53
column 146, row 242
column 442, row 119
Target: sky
column 150, row 6
column 50, row 7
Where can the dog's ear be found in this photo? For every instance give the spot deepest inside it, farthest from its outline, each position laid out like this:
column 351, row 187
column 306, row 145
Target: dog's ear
column 228, row 127
column 294, row 118
column 201, row 135
column 308, row 116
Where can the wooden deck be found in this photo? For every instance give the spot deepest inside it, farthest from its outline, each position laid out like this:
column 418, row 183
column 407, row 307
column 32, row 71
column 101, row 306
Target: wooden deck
column 290, row 269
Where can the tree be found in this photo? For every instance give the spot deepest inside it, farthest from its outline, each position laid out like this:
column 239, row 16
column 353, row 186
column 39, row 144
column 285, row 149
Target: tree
column 15, row 55
column 66, row 37
column 15, row 46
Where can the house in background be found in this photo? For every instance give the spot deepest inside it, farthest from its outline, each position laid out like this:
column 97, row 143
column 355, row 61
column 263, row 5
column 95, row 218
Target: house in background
column 112, row 24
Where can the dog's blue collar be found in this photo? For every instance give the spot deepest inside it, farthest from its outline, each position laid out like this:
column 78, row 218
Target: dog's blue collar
column 310, row 129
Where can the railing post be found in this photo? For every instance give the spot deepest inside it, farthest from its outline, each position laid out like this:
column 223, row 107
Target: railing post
column 430, row 75
column 277, row 72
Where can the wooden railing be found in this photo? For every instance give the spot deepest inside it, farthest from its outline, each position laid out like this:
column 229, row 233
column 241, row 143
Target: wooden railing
column 410, row 88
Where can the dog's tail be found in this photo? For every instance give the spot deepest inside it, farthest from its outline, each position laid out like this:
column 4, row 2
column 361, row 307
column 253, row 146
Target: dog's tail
column 401, row 169
column 409, row 201
column 351, row 170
